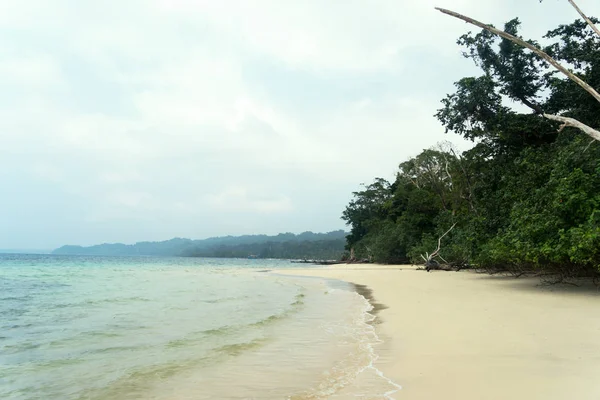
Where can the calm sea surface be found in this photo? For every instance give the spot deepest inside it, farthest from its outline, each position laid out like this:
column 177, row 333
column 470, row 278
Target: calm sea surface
column 115, row 328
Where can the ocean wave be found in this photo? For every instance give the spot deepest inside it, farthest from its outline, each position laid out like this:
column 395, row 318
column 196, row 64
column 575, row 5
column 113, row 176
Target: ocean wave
column 238, row 348
column 224, row 299
column 219, row 331
column 72, row 304
column 113, row 349
column 200, row 336
column 115, row 300
column 367, row 338
column 21, row 346
column 285, row 314
column 298, row 300
column 15, row 312
column 361, row 337
column 271, row 319
column 193, row 337
column 17, row 326
column 65, row 342
column 17, row 298
column 136, row 383
column 51, row 364
column 83, row 336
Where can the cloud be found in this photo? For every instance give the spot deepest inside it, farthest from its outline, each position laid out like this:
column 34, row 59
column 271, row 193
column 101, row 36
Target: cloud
column 241, row 199
column 47, row 172
column 37, row 71
column 199, row 117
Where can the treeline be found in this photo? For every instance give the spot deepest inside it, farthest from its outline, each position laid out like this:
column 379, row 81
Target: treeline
column 331, row 249
column 526, row 197
column 283, row 245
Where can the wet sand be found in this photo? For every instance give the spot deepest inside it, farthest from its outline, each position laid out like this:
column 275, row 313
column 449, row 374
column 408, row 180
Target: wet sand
column 462, row 335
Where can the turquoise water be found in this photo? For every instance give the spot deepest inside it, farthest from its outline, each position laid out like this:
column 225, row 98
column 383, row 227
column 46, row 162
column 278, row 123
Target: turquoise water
column 159, row 328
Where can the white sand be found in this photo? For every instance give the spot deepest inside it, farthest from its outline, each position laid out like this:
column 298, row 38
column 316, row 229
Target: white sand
column 461, row 335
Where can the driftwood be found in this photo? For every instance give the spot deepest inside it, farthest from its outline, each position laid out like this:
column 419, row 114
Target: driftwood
column 446, row 267
column 430, row 262
column 564, row 120
column 318, row 262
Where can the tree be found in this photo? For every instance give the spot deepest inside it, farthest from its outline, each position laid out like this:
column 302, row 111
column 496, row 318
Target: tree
column 526, row 197
column 526, row 66
column 367, row 207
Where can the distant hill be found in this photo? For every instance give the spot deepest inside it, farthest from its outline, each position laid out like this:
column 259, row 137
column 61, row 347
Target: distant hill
column 284, row 245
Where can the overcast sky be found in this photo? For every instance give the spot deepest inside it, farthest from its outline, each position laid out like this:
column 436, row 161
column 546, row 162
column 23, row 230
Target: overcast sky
column 131, row 120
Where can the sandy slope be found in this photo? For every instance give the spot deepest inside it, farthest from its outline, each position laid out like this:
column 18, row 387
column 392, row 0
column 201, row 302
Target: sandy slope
column 461, row 335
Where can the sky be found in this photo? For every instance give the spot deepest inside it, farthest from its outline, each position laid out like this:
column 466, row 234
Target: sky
column 131, row 120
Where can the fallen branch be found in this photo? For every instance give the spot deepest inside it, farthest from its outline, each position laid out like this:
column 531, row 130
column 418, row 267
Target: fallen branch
column 430, row 262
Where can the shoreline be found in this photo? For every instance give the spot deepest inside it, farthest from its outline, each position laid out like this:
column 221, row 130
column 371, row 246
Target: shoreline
column 367, row 293
column 462, row 335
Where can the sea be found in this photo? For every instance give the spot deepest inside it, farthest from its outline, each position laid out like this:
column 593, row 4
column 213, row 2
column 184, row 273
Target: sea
column 119, row 328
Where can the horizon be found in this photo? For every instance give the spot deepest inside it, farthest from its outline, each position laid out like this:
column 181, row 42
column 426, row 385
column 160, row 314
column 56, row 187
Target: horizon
column 45, row 251
column 200, row 119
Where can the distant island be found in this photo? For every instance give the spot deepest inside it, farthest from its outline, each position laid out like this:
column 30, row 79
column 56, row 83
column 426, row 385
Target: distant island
column 306, row 245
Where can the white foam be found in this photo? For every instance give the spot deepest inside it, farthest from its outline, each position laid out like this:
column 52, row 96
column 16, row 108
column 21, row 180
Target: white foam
column 363, row 333
column 368, row 317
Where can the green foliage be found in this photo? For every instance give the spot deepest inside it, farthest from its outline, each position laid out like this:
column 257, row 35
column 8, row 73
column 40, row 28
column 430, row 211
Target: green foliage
column 284, row 245
column 291, row 249
column 525, row 197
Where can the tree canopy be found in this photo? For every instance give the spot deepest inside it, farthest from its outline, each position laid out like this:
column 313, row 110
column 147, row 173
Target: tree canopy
column 526, row 197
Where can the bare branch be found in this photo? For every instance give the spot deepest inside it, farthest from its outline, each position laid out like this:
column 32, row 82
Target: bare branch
column 448, row 172
column 589, row 22
column 415, row 182
column 435, row 253
column 566, row 121
column 468, row 180
column 430, row 263
column 527, row 45
column 588, row 146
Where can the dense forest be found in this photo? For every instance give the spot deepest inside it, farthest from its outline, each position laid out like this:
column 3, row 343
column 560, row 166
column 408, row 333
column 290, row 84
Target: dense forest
column 324, row 249
column 284, row 245
column 526, row 197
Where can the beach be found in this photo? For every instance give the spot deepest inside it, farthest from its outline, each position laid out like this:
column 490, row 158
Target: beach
column 464, row 335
